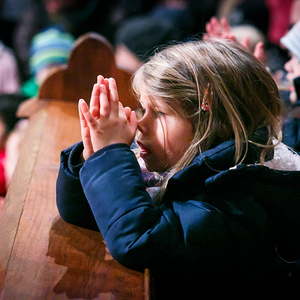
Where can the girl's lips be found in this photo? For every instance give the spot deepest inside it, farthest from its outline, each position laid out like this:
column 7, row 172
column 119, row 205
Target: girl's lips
column 144, row 151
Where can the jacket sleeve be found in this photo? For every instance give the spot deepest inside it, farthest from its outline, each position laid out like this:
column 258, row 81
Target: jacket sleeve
column 138, row 233
column 70, row 199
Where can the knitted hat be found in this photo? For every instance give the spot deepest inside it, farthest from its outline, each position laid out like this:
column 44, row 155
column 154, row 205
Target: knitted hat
column 48, row 48
column 142, row 35
column 292, row 40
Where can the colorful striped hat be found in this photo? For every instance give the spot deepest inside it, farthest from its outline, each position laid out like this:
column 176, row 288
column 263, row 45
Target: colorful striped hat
column 48, row 48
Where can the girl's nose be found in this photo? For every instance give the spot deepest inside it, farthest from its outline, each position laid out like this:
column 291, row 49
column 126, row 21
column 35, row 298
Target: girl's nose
column 142, row 125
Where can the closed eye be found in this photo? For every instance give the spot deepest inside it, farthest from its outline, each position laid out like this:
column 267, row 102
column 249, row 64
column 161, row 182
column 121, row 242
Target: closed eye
column 140, row 111
column 159, row 113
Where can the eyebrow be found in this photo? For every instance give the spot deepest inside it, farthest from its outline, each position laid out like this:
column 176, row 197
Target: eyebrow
column 157, row 104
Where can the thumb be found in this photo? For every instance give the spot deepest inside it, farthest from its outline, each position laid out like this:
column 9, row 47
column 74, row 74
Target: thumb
column 246, row 43
column 133, row 122
column 127, row 111
column 229, row 36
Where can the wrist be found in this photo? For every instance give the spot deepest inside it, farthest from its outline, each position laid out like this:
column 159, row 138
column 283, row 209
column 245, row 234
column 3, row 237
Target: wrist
column 82, row 157
column 85, row 154
column 110, row 143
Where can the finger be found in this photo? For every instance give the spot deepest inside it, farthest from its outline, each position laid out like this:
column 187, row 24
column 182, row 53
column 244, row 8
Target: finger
column 122, row 113
column 100, row 79
column 214, row 21
column 94, row 102
column 211, row 29
column 104, row 104
column 114, row 97
column 127, row 111
column 133, row 121
column 216, row 26
column 229, row 37
column 225, row 24
column 113, row 90
column 83, row 123
column 88, row 118
column 259, row 52
column 85, row 132
column 208, row 28
column 87, row 142
column 106, row 83
column 246, row 43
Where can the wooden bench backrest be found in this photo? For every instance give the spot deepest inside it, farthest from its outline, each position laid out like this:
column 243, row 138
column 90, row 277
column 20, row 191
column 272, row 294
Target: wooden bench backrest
column 41, row 256
column 92, row 55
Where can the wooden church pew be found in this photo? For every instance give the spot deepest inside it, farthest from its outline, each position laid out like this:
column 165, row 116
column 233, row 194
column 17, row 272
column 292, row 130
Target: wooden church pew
column 41, row 256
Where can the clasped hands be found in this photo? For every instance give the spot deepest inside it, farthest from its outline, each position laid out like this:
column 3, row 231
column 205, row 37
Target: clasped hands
column 221, row 29
column 105, row 121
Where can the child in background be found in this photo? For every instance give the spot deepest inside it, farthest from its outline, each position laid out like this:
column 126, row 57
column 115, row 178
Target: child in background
column 227, row 212
column 9, row 74
column 138, row 37
column 49, row 49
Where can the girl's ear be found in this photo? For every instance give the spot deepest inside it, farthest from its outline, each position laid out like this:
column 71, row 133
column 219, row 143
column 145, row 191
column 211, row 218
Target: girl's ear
column 204, row 105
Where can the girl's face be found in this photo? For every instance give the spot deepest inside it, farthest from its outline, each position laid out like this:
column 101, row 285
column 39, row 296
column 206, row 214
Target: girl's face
column 163, row 134
column 293, row 69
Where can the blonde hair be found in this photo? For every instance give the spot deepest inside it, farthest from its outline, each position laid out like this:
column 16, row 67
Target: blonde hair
column 240, row 93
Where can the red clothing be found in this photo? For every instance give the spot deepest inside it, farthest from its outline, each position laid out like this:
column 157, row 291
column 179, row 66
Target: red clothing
column 2, row 173
column 279, row 18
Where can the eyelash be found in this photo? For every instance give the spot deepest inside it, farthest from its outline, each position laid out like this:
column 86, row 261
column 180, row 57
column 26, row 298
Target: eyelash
column 141, row 111
column 159, row 113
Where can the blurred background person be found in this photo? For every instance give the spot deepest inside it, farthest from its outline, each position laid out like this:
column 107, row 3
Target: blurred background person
column 48, row 50
column 9, row 71
column 138, row 38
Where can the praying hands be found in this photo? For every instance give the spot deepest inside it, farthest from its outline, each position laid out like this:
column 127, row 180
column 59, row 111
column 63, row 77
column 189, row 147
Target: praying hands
column 105, row 121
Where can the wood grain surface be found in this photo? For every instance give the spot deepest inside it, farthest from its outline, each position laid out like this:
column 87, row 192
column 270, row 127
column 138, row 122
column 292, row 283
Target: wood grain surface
column 41, row 256
column 91, row 56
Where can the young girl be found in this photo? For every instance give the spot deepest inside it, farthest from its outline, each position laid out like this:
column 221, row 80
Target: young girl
column 209, row 124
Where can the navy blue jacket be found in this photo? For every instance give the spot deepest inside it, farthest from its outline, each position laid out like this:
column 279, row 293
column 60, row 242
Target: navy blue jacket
column 215, row 220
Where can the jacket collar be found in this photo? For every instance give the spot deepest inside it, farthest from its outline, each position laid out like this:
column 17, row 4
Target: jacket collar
column 212, row 162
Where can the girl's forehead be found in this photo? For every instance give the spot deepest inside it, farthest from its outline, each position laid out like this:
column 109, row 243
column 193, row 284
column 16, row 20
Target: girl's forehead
column 153, row 101
column 157, row 103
